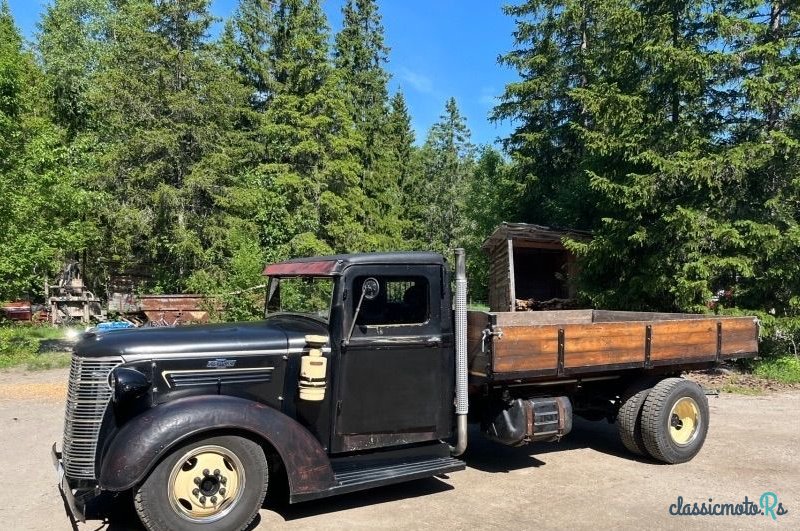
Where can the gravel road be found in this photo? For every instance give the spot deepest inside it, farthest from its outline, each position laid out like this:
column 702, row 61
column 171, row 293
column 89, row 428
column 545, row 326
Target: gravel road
column 587, row 481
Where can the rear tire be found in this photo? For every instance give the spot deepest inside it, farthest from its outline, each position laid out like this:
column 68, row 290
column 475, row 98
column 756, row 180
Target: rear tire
column 629, row 416
column 212, row 484
column 675, row 420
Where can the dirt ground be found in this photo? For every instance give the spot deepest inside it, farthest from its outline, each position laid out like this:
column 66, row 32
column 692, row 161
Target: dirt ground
column 587, row 481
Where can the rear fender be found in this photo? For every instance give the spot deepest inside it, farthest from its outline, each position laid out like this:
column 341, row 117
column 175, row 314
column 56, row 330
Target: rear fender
column 143, row 441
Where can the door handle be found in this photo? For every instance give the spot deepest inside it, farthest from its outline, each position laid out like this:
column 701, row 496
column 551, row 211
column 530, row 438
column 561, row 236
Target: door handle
column 434, row 342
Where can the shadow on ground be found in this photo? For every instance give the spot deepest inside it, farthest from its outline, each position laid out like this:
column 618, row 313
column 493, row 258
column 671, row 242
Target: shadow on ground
column 482, row 455
column 600, row 436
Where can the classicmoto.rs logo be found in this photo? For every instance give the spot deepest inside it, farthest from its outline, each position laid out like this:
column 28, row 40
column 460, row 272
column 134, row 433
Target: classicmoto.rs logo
column 767, row 505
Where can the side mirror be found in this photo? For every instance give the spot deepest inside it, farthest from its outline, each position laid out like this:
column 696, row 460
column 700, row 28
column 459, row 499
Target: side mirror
column 369, row 290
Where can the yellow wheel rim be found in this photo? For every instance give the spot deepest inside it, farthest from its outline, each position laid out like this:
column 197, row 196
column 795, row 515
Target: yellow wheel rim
column 206, row 484
column 684, row 421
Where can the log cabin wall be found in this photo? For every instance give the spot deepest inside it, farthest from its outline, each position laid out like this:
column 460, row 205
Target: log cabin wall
column 501, row 279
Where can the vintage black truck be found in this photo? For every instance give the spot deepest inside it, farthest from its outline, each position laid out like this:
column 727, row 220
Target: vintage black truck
column 363, row 369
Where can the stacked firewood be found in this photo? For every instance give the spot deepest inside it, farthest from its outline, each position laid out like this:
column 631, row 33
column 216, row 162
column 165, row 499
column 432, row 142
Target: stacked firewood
column 532, row 305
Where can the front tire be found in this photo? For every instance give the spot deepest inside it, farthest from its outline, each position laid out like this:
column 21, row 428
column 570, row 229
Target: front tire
column 675, row 420
column 212, row 484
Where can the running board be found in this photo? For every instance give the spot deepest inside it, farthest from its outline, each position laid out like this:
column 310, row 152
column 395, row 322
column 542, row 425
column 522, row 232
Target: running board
column 350, row 477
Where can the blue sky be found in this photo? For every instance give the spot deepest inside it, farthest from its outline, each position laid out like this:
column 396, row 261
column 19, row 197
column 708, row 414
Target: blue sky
column 439, row 48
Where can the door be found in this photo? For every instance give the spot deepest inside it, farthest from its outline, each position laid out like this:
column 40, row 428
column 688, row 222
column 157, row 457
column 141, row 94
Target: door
column 394, row 380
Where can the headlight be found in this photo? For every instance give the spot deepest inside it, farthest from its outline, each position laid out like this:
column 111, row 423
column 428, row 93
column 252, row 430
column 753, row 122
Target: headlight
column 128, row 383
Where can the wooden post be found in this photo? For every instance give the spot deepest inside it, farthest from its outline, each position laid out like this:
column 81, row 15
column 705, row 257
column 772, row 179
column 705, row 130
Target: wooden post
column 512, row 291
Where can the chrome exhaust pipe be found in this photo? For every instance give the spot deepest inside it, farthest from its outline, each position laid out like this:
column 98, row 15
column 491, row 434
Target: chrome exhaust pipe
column 462, row 400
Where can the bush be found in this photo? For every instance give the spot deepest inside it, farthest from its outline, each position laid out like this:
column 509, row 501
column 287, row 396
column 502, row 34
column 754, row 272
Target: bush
column 19, row 345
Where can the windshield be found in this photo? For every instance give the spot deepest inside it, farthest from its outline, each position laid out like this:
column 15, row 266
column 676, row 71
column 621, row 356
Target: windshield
column 306, row 295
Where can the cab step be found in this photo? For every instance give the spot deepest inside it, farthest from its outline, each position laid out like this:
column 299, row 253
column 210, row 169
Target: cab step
column 354, row 476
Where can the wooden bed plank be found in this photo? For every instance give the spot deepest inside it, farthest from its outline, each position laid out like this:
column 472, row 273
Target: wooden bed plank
column 603, row 344
column 543, row 318
column 739, row 336
column 683, row 339
column 478, row 359
column 524, row 348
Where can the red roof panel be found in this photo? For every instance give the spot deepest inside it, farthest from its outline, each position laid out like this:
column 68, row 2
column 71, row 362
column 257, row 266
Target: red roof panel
column 323, row 267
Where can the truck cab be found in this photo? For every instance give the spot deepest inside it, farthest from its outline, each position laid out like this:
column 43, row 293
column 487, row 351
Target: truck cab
column 144, row 406
column 391, row 354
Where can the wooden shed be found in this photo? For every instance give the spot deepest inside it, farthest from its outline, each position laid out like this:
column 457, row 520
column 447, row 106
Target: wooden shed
column 529, row 262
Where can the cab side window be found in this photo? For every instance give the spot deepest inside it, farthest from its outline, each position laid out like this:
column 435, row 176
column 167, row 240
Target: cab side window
column 400, row 301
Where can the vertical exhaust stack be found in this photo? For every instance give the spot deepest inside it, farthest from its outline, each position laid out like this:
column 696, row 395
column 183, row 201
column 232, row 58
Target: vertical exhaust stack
column 462, row 400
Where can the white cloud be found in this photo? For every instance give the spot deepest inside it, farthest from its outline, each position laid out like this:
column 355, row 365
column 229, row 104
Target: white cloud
column 419, row 82
column 489, row 97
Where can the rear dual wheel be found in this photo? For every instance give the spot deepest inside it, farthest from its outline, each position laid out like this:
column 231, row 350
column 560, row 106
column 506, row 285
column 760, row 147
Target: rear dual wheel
column 668, row 421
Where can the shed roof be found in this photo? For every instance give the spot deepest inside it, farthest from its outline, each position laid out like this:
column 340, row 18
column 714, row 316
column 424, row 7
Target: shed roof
column 529, row 232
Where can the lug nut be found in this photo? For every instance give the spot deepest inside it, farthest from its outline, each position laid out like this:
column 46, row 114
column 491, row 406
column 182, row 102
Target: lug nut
column 216, row 472
column 222, row 491
column 202, row 499
column 196, row 492
column 213, row 500
column 196, row 481
column 205, row 472
column 223, row 480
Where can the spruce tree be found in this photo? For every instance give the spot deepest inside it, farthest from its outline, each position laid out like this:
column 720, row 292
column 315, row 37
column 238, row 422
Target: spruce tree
column 447, row 166
column 72, row 36
column 491, row 199
column 360, row 54
column 552, row 42
column 168, row 111
column 623, row 98
column 406, row 171
column 310, row 138
column 246, row 43
column 763, row 152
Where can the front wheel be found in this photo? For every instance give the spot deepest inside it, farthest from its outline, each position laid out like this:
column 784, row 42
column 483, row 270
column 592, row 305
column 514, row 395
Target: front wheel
column 213, row 484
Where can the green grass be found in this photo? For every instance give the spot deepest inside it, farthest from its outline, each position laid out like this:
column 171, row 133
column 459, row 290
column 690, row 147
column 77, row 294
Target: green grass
column 737, row 389
column 52, row 360
column 785, row 369
column 19, row 347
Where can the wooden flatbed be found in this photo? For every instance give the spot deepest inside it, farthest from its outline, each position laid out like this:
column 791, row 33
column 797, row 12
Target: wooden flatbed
column 520, row 346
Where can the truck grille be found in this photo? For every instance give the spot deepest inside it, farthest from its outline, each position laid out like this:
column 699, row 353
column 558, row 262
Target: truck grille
column 88, row 395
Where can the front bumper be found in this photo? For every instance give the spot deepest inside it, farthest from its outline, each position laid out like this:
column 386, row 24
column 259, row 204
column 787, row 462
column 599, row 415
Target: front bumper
column 76, row 507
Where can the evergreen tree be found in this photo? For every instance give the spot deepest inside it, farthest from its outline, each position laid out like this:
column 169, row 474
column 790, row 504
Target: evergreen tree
column 490, row 200
column 360, row 54
column 763, row 150
column 447, row 166
column 72, row 36
column 552, row 42
column 168, row 111
column 246, row 40
column 632, row 139
column 310, row 139
column 406, row 171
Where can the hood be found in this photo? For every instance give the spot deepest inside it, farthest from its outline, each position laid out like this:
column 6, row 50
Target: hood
column 278, row 334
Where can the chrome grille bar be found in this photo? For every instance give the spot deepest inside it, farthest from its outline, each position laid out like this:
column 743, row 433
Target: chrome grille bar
column 88, row 395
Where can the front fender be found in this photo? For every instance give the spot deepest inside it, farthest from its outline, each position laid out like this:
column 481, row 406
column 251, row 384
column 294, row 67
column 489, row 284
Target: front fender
column 144, row 440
